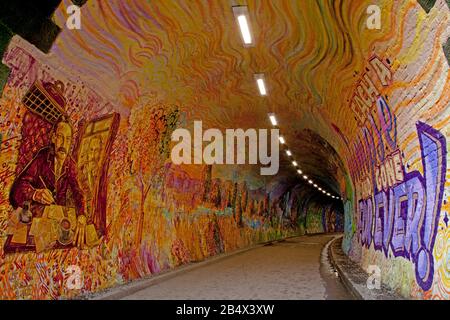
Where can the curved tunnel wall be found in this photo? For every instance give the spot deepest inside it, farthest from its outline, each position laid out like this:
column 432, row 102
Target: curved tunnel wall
column 396, row 209
column 157, row 215
column 383, row 108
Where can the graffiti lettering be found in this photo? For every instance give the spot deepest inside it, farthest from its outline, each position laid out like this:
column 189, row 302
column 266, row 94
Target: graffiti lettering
column 375, row 140
column 390, row 172
column 368, row 89
column 403, row 217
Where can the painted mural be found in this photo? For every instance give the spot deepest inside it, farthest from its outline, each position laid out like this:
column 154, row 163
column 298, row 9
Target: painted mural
column 397, row 215
column 86, row 182
column 86, row 189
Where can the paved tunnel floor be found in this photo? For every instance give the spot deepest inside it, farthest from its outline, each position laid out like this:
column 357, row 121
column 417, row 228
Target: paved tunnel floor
column 285, row 270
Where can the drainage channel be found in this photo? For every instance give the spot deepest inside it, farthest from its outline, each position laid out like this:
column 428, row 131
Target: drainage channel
column 335, row 289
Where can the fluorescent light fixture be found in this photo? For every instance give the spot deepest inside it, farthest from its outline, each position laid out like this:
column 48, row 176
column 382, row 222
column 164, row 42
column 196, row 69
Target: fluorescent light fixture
column 289, row 153
column 295, row 163
column 300, row 171
column 273, row 120
column 305, row 177
column 261, row 87
column 259, row 77
column 245, row 30
column 243, row 20
column 282, row 141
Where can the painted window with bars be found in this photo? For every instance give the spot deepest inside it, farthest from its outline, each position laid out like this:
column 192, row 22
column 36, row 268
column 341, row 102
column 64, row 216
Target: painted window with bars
column 46, row 100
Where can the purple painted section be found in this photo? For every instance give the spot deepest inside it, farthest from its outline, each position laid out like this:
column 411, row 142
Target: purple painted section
column 380, row 199
column 378, row 135
column 405, row 217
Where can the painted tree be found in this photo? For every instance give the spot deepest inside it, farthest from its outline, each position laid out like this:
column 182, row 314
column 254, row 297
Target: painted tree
column 251, row 208
column 244, row 196
column 261, row 208
column 228, row 194
column 216, row 196
column 238, row 212
column 207, row 173
column 267, row 205
column 151, row 128
column 234, row 197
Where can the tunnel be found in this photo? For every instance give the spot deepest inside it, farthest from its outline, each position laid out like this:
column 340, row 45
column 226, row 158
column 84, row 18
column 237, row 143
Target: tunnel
column 138, row 138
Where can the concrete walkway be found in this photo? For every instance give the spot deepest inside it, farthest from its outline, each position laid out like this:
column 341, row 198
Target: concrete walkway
column 290, row 270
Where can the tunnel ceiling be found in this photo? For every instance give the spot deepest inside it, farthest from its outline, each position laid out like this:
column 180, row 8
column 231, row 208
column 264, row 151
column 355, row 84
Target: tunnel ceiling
column 189, row 53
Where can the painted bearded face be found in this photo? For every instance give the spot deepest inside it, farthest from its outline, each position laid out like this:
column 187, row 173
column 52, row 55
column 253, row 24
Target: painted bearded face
column 62, row 139
column 94, row 151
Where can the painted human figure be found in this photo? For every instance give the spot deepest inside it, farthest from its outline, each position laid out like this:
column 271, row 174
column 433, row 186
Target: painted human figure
column 49, row 176
column 332, row 222
column 89, row 175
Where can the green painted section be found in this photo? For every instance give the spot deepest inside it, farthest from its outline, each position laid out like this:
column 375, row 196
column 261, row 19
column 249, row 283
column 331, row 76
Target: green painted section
column 31, row 20
column 5, row 37
column 4, row 74
column 427, row 5
column 446, row 49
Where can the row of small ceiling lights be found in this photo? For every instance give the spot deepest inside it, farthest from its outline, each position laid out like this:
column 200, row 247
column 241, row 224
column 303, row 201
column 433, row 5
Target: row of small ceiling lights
column 242, row 17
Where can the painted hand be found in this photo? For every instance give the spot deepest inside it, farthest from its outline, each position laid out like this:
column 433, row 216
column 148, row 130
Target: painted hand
column 43, row 196
column 80, row 232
